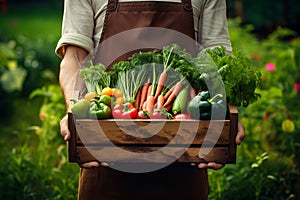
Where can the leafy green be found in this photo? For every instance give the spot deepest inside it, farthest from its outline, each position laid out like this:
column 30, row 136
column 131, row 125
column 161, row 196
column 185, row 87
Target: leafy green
column 146, row 57
column 209, row 78
column 240, row 76
column 183, row 63
column 118, row 68
column 212, row 69
column 95, row 77
column 129, row 81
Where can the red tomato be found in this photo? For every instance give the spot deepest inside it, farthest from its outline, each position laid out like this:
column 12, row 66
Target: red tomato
column 158, row 115
column 182, row 116
column 142, row 115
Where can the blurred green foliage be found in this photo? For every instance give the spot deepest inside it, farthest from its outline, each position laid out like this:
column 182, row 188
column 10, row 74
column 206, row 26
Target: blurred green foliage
column 267, row 15
column 34, row 163
column 268, row 162
column 12, row 77
column 37, row 167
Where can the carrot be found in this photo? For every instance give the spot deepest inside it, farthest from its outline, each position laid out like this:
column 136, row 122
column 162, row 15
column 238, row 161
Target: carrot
column 192, row 93
column 149, row 101
column 144, row 94
column 174, row 93
column 160, row 102
column 138, row 98
column 144, row 105
column 160, row 83
column 169, row 92
column 168, row 108
column 149, row 92
column 150, row 104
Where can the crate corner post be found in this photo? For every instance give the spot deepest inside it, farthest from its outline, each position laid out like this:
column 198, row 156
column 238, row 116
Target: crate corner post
column 71, row 144
column 233, row 133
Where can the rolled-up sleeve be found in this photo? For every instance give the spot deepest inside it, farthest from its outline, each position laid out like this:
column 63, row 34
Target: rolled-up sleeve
column 77, row 26
column 213, row 25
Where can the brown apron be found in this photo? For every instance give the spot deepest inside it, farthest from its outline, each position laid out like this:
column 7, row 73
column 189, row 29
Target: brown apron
column 177, row 181
column 130, row 27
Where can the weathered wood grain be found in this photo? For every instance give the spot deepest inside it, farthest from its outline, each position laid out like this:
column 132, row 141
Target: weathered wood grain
column 214, row 139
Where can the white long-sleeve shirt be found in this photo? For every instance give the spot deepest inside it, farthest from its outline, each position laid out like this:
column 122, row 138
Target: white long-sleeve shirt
column 83, row 22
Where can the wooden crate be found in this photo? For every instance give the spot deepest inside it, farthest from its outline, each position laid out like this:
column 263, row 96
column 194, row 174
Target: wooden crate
column 193, row 141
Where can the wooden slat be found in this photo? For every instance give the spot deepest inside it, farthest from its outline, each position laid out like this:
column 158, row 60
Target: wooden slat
column 124, row 131
column 233, row 132
column 219, row 155
column 72, row 145
column 96, row 135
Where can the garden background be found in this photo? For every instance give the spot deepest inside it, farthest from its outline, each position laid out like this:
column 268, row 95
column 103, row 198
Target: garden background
column 33, row 157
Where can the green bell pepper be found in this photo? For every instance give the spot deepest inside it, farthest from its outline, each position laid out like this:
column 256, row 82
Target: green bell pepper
column 204, row 95
column 219, row 108
column 201, row 106
column 81, row 108
column 99, row 110
column 106, row 99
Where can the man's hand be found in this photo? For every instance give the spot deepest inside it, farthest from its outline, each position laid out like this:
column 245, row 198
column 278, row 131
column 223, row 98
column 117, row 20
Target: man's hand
column 240, row 134
column 65, row 133
column 239, row 138
column 69, row 69
column 64, row 130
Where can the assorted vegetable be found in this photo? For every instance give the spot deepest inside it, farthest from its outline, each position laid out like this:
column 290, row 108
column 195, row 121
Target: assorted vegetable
column 95, row 77
column 125, row 111
column 202, row 106
column 81, row 108
column 180, row 102
column 168, row 84
column 99, row 110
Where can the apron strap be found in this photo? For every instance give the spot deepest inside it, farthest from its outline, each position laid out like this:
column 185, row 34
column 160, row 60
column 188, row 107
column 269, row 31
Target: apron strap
column 187, row 5
column 112, row 5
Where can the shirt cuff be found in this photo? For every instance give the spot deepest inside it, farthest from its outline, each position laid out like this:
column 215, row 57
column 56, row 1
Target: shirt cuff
column 73, row 39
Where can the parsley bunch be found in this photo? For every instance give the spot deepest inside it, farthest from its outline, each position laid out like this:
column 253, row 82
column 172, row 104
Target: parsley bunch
column 240, row 77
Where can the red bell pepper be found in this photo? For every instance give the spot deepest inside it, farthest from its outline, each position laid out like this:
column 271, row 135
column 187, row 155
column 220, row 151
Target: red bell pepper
column 124, row 111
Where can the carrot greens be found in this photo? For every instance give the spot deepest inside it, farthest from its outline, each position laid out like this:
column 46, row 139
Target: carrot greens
column 130, row 81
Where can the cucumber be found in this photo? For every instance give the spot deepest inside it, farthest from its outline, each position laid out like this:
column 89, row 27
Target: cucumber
column 180, row 103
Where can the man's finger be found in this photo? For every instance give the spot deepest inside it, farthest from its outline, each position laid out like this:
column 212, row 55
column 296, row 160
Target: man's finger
column 240, row 134
column 215, row 166
column 89, row 165
column 210, row 165
column 64, row 129
column 67, row 136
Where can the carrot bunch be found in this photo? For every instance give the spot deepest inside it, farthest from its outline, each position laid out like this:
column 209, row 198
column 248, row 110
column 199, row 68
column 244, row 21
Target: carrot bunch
column 159, row 93
column 150, row 99
column 158, row 79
